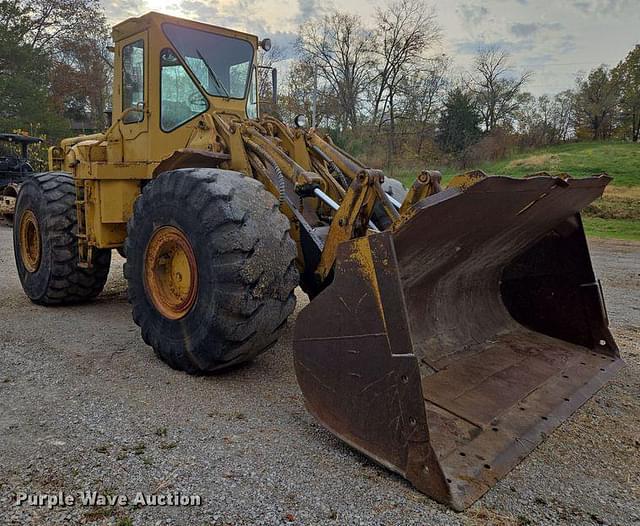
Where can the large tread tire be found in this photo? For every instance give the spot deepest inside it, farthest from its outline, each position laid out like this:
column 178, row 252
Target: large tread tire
column 245, row 260
column 51, row 198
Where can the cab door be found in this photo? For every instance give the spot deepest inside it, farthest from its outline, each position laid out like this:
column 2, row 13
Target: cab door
column 134, row 96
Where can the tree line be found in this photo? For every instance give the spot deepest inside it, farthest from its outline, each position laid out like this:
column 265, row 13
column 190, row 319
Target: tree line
column 384, row 90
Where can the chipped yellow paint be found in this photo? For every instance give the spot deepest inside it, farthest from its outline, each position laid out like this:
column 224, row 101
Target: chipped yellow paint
column 405, row 217
column 360, row 254
column 425, row 185
column 467, row 179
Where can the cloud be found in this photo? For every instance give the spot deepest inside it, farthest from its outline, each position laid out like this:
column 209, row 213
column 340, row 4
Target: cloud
column 118, row 10
column 308, row 9
column 525, row 30
column 543, row 34
column 605, row 7
column 567, row 44
column 521, row 30
column 472, row 47
column 203, row 11
column 473, row 14
column 238, row 14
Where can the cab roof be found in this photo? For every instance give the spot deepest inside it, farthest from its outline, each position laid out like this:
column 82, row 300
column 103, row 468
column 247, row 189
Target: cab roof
column 19, row 138
column 131, row 26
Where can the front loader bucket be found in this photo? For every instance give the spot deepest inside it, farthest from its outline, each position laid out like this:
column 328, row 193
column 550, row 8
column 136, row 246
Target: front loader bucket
column 448, row 347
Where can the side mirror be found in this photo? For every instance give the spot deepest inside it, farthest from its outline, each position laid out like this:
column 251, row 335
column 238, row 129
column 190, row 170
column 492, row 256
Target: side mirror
column 274, row 84
column 134, row 114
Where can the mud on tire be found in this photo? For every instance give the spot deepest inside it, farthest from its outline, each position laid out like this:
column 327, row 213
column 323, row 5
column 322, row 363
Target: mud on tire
column 244, row 260
column 49, row 270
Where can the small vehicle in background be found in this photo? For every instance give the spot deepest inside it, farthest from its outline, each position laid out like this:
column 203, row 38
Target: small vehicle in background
column 14, row 169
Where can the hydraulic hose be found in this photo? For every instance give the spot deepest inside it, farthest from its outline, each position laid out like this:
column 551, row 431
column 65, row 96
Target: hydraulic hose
column 332, row 167
column 260, row 152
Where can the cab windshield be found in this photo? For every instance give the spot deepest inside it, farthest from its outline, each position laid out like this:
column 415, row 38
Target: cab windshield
column 221, row 64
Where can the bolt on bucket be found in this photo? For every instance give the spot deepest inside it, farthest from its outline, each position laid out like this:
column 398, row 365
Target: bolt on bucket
column 449, row 346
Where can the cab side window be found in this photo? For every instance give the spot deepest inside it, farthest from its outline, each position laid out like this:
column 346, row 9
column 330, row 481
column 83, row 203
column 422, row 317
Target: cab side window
column 133, row 80
column 180, row 98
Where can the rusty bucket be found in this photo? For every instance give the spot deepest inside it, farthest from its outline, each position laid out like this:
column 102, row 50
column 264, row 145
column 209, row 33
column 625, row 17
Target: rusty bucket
column 449, row 346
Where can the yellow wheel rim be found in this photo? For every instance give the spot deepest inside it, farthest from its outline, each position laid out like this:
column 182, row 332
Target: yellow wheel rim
column 170, row 272
column 30, row 245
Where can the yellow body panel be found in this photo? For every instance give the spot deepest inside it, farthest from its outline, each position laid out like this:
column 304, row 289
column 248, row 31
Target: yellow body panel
column 117, row 198
column 99, row 233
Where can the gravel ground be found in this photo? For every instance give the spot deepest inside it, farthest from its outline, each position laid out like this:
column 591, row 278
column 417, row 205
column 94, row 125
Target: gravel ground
column 85, row 405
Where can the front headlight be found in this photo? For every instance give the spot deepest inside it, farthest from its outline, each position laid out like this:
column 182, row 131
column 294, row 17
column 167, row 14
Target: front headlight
column 300, row 121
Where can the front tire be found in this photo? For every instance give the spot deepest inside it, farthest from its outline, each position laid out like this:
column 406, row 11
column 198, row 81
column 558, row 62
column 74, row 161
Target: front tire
column 210, row 267
column 46, row 246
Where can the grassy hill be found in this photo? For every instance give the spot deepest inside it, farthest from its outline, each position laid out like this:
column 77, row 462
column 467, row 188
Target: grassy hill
column 617, row 215
column 619, row 160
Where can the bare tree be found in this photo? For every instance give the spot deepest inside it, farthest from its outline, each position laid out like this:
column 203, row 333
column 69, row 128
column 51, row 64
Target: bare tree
column 423, row 96
column 81, row 79
column 496, row 86
column 407, row 30
column 52, row 22
column 298, row 94
column 340, row 48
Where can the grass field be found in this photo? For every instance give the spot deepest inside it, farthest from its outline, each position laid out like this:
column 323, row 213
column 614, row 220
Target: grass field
column 617, row 214
column 620, row 160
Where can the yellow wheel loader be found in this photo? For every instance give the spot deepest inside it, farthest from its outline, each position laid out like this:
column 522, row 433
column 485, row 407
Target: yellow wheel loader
column 449, row 329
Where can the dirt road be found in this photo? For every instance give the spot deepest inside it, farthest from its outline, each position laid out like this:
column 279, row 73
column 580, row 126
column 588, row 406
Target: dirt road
column 85, row 405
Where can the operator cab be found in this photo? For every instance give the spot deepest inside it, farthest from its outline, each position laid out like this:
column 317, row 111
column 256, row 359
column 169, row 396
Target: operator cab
column 170, row 71
column 198, row 63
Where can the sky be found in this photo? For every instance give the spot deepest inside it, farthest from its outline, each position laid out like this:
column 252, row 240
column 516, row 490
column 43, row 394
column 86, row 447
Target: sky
column 555, row 40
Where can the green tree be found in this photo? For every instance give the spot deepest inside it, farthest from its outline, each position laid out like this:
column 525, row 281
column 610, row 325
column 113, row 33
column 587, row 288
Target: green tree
column 596, row 102
column 627, row 77
column 53, row 64
column 80, row 79
column 459, row 125
column 23, row 75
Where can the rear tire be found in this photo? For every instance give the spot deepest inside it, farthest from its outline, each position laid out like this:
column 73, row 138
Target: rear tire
column 210, row 267
column 46, row 246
